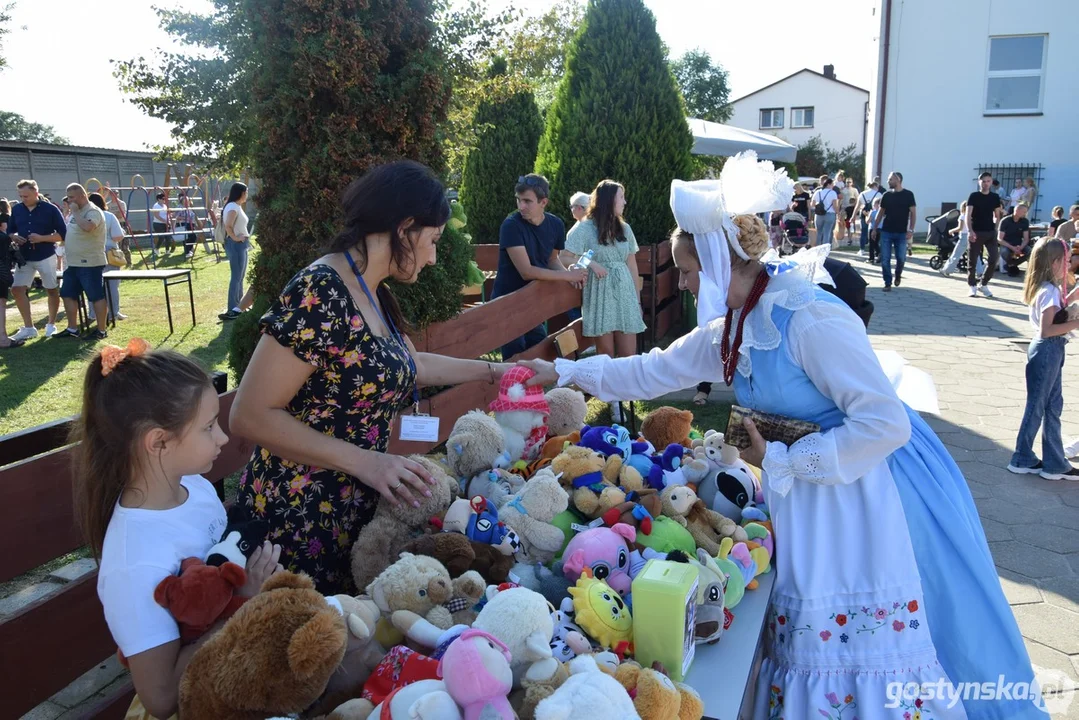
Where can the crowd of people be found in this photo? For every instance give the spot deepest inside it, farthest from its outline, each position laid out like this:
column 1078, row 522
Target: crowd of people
column 65, row 248
column 874, row 476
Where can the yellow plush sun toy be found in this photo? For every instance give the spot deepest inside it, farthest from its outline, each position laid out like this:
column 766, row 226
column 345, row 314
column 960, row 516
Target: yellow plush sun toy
column 601, row 612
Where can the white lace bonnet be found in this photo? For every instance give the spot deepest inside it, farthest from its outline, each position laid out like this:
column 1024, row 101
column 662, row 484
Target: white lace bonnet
column 706, row 208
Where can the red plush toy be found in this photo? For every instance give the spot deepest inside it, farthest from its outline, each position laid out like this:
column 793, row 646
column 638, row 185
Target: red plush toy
column 201, row 595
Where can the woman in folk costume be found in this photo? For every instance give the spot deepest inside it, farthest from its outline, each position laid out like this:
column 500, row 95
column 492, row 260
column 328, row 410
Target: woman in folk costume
column 883, row 571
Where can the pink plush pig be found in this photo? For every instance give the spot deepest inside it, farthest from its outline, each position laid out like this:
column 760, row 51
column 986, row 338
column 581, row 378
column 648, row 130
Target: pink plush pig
column 605, row 551
column 476, row 672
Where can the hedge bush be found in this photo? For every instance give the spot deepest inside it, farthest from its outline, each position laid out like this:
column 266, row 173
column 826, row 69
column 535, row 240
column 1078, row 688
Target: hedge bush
column 618, row 114
column 436, row 294
column 508, row 128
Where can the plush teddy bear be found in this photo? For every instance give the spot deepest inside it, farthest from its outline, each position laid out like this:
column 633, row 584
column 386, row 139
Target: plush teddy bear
column 568, row 411
column 656, row 696
column 557, row 443
column 639, row 510
column 521, row 411
column 475, row 451
column 706, row 526
column 274, row 657
column 530, row 513
column 595, row 484
column 666, row 426
column 416, row 583
column 459, row 554
column 379, row 542
column 362, row 656
column 587, row 693
column 200, row 595
column 468, row 591
column 521, row 619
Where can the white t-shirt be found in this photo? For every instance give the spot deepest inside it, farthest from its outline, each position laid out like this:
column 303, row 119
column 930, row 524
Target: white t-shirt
column 868, row 196
column 161, row 213
column 1017, row 195
column 1048, row 297
column 112, row 230
column 141, row 548
column 239, row 226
column 825, row 196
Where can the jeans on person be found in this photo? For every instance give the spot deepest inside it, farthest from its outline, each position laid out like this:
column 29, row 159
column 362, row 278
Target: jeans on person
column 113, row 288
column 574, row 314
column 874, row 245
column 529, row 340
column 864, row 239
column 1009, row 259
column 237, row 254
column 957, row 255
column 978, row 240
column 1045, row 403
column 888, row 240
column 825, row 228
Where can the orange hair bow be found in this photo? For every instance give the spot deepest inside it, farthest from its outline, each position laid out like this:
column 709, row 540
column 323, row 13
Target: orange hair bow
column 111, row 356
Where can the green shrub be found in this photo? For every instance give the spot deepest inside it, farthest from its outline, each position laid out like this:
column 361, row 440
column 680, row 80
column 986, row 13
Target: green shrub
column 508, row 128
column 618, row 114
column 245, row 336
column 436, row 294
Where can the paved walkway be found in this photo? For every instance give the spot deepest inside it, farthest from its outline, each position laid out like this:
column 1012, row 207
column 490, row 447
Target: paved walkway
column 975, row 350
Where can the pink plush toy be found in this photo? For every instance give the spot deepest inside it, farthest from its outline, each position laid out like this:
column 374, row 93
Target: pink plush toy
column 605, row 551
column 476, row 672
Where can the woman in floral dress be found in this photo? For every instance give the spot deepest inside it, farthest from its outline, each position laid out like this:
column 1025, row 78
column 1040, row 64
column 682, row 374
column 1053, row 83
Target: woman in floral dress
column 332, row 371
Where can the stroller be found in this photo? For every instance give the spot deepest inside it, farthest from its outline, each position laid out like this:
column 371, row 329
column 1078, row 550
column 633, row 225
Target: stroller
column 795, row 234
column 939, row 235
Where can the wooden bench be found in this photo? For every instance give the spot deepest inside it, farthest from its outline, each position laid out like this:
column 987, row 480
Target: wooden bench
column 176, row 276
column 52, row 641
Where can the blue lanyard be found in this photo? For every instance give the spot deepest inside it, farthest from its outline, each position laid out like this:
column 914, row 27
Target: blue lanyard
column 388, row 322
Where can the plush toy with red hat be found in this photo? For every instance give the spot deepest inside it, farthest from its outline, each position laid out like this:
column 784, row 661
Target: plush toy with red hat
column 521, row 411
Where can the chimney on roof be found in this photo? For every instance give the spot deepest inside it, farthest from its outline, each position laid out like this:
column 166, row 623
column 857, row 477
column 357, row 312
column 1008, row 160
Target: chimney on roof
column 829, row 72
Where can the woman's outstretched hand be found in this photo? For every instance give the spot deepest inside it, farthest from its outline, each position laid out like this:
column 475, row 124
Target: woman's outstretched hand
column 397, row 479
column 545, row 372
column 754, row 454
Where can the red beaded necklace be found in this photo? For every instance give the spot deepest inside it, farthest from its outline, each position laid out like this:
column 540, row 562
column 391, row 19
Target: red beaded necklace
column 729, row 354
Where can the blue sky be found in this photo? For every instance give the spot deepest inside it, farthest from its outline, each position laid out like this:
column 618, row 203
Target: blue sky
column 59, row 72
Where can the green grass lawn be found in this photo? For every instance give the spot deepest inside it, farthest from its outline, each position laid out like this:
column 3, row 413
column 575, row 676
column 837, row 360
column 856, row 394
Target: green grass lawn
column 42, row 380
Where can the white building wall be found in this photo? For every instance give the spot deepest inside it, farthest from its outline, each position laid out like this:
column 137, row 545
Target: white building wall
column 839, row 110
column 935, row 129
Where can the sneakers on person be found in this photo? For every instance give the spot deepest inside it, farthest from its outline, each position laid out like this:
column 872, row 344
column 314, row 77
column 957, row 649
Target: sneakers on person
column 887, row 288
column 1069, row 474
column 50, row 330
column 99, row 335
column 120, row 316
column 973, row 291
column 1020, row 470
column 67, row 333
column 861, row 253
column 985, row 291
column 26, row 333
column 189, row 256
column 230, row 315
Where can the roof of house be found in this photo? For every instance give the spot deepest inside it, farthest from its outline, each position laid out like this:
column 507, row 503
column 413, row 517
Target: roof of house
column 803, row 70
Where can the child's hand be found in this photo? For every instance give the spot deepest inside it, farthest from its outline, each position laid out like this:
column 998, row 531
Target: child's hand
column 261, row 565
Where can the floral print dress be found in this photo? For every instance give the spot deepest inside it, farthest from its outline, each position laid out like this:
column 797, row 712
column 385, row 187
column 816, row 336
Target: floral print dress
column 359, row 384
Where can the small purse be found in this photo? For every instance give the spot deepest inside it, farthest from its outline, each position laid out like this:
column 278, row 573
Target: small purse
column 772, row 427
column 115, row 258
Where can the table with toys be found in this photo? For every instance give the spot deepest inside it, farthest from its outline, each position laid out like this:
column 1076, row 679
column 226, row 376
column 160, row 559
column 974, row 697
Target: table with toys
column 557, row 570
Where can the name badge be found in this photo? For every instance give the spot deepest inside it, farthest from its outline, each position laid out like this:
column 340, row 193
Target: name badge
column 419, row 428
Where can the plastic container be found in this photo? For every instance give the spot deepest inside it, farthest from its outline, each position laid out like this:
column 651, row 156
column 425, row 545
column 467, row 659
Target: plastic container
column 584, row 261
column 664, row 616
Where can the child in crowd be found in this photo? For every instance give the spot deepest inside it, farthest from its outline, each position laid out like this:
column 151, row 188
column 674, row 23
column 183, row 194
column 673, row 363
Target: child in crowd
column 1049, row 264
column 148, row 428
column 961, row 245
column 874, row 235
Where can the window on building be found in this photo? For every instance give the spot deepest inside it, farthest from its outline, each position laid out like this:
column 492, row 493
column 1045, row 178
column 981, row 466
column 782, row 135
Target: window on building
column 1008, row 174
column 1014, row 81
column 802, row 117
column 771, row 118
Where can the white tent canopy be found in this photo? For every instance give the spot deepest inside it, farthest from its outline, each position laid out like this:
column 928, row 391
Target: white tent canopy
column 710, row 138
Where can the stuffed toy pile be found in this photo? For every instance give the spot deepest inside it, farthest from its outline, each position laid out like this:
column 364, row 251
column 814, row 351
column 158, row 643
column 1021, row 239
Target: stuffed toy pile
column 509, row 592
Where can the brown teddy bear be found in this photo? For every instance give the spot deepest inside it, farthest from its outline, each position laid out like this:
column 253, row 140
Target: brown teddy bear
column 558, row 443
column 380, row 542
column 595, row 484
column 630, row 512
column 459, row 554
column 706, row 526
column 667, row 426
column 200, row 595
column 568, row 411
column 362, row 656
column 416, row 583
column 656, row 696
column 274, row 657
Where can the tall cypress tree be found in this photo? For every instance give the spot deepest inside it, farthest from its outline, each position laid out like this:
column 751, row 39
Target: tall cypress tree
column 508, row 128
column 337, row 87
column 618, row 114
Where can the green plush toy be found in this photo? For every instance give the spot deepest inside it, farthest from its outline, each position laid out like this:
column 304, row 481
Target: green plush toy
column 565, row 521
column 668, row 535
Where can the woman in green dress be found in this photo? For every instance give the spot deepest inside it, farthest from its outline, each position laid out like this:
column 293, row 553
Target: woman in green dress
column 611, row 307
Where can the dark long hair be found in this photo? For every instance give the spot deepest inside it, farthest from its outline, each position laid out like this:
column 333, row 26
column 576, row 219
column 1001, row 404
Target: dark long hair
column 156, row 390
column 379, row 202
column 96, row 199
column 608, row 224
column 236, row 192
